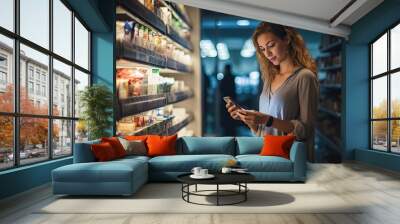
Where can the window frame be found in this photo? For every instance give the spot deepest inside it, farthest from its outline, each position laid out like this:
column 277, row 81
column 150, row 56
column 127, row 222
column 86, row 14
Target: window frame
column 388, row 74
column 16, row 114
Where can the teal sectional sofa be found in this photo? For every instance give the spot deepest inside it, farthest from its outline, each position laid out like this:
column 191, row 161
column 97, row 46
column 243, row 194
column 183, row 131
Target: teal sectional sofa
column 125, row 176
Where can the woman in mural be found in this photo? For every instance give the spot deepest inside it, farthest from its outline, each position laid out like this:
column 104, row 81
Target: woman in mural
column 289, row 100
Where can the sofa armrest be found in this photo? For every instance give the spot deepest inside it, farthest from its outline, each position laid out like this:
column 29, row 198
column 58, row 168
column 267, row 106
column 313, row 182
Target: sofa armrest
column 83, row 152
column 298, row 155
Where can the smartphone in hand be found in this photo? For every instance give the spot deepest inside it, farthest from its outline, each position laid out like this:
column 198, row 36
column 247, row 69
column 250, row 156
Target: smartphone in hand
column 228, row 99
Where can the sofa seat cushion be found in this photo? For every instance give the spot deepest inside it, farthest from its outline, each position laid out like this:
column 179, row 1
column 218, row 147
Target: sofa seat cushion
column 133, row 157
column 112, row 171
column 206, row 145
column 185, row 163
column 257, row 163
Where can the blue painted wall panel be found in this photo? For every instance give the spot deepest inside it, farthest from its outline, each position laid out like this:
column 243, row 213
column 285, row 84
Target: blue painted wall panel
column 357, row 84
column 99, row 16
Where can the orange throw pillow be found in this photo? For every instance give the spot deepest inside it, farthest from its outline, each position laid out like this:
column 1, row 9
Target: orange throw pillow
column 135, row 138
column 116, row 145
column 161, row 145
column 277, row 146
column 103, row 152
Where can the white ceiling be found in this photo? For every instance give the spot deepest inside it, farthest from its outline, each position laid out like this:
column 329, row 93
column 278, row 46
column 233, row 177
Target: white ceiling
column 314, row 15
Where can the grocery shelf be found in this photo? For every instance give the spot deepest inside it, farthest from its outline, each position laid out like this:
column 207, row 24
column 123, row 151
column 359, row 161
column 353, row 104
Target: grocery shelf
column 178, row 126
column 331, row 86
column 179, row 13
column 327, row 140
column 330, row 68
column 134, row 106
column 137, row 104
column 330, row 112
column 156, row 128
column 178, row 39
column 177, row 66
column 140, row 54
column 331, row 47
column 139, row 10
column 178, row 96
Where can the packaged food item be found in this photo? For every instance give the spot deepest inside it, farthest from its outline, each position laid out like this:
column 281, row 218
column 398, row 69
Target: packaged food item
column 119, row 30
column 140, row 36
column 149, row 4
column 136, row 34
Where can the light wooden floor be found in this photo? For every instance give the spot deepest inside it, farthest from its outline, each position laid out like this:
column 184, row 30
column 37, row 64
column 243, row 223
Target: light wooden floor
column 379, row 189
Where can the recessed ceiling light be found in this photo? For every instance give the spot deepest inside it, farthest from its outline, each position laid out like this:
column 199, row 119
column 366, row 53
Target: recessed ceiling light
column 243, row 22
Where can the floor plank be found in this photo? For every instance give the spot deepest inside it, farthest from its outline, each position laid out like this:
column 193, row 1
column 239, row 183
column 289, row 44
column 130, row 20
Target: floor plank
column 377, row 190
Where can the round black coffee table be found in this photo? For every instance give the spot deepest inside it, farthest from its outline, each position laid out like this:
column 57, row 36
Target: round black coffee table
column 238, row 179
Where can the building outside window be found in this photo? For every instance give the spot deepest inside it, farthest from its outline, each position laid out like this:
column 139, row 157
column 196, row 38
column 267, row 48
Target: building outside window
column 30, row 87
column 385, row 96
column 56, row 134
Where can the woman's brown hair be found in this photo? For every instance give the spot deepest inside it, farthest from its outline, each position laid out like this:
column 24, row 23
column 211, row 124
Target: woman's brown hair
column 297, row 49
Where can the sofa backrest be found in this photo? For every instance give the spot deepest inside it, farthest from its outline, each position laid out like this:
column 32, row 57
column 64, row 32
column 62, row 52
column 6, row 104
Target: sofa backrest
column 206, row 145
column 83, row 152
column 249, row 145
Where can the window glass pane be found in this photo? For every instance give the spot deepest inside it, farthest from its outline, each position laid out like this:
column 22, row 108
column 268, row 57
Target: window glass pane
column 395, row 94
column 379, row 135
column 81, row 45
column 81, row 131
column 62, row 89
column 6, row 74
column 62, row 29
column 81, row 81
column 379, row 97
column 395, row 47
column 32, row 98
column 395, row 136
column 62, row 138
column 35, row 21
column 33, row 139
column 6, row 142
column 379, row 55
column 7, row 14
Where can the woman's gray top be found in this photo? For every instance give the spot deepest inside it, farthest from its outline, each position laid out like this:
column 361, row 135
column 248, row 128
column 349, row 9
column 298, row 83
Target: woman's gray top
column 295, row 100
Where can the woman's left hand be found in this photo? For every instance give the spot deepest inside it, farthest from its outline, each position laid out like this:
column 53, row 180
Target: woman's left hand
column 253, row 117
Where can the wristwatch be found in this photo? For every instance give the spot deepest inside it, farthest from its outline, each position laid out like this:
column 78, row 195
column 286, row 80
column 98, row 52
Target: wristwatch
column 269, row 121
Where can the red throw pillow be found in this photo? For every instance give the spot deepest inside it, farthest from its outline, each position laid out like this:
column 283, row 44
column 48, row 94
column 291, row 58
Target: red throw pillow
column 116, row 145
column 277, row 146
column 161, row 145
column 136, row 137
column 103, row 152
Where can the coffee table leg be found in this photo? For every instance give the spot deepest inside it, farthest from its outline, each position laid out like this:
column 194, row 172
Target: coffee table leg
column 188, row 189
column 217, row 194
column 196, row 188
column 245, row 193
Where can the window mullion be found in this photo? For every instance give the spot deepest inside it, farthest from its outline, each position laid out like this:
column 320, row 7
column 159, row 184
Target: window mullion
column 16, row 84
column 371, row 98
column 389, row 114
column 73, row 81
column 50, row 81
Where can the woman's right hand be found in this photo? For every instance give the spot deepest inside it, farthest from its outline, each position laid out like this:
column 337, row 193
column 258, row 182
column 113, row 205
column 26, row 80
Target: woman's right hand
column 233, row 110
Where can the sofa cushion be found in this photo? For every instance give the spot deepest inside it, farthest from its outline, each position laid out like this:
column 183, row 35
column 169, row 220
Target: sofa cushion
column 134, row 147
column 206, row 145
column 161, row 145
column 257, row 163
column 116, row 145
column 112, row 171
column 277, row 145
column 103, row 152
column 83, row 152
column 185, row 163
column 249, row 145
